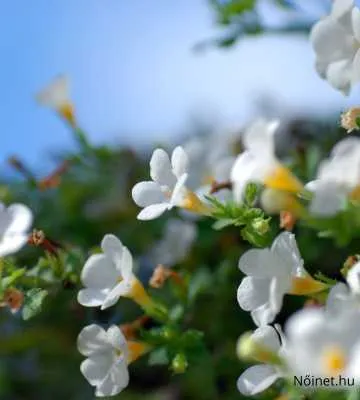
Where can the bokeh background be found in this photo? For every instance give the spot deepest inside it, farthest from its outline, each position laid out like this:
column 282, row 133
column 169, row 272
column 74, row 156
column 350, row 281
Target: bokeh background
column 144, row 72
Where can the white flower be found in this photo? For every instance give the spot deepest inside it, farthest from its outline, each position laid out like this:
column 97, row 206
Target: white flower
column 167, row 188
column 108, row 276
column 106, row 365
column 345, row 298
column 173, row 248
column 258, row 163
column 271, row 273
column 321, row 346
column 337, row 180
column 57, row 96
column 336, row 41
column 15, row 221
column 259, row 377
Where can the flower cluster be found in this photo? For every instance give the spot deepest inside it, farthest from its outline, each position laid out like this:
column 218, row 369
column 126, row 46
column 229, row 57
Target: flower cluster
column 250, row 189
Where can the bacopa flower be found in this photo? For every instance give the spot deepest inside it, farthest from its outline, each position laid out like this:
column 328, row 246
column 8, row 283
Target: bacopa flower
column 338, row 179
column 15, row 222
column 345, row 297
column 176, row 242
column 271, row 273
column 263, row 346
column 57, row 96
column 259, row 164
column 108, row 276
column 336, row 41
column 321, row 346
column 108, row 355
column 167, row 188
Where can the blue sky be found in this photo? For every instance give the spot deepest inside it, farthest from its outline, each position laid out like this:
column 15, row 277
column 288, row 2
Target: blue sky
column 134, row 76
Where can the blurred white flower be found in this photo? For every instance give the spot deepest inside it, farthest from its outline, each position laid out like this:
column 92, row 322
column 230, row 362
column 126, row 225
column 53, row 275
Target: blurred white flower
column 336, row 41
column 265, row 343
column 271, row 273
column 15, row 222
column 320, row 346
column 345, row 297
column 109, row 275
column 106, row 365
column 258, row 163
column 337, row 180
column 167, row 188
column 56, row 95
column 174, row 246
column 211, row 160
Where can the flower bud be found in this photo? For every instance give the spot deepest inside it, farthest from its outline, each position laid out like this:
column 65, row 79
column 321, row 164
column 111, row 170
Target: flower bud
column 350, row 118
column 179, row 363
column 260, row 226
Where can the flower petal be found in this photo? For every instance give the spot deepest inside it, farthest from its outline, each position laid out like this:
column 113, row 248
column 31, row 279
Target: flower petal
column 179, row 161
column 92, row 297
column 161, row 169
column 147, row 193
column 355, row 73
column 99, row 272
column 267, row 336
column 340, row 75
column 121, row 289
column 353, row 278
column 331, row 41
column 119, row 254
column 21, row 218
column 329, row 198
column 286, row 249
column 116, row 338
column 153, row 211
column 10, row 244
column 256, row 379
column 260, row 263
column 96, row 368
column 92, row 340
column 253, row 292
column 355, row 19
column 179, row 191
column 263, row 315
column 259, row 137
column 116, row 380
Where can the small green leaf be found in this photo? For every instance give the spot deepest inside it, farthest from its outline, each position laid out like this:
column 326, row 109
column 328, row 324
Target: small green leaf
column 10, row 280
column 33, row 302
column 199, row 283
column 251, row 194
column 222, row 223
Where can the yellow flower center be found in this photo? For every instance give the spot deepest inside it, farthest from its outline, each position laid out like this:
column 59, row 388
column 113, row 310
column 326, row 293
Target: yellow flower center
column 192, row 203
column 306, row 285
column 66, row 110
column 333, row 360
column 281, row 178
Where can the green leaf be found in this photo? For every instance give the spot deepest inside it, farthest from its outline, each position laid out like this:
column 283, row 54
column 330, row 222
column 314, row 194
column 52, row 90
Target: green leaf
column 222, row 223
column 10, row 280
column 251, row 192
column 199, row 283
column 159, row 357
column 33, row 302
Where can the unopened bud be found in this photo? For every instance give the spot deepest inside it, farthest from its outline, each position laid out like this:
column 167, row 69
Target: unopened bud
column 350, row 119
column 179, row 363
column 260, row 226
column 250, row 349
column 159, row 277
column 287, row 220
column 14, row 299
